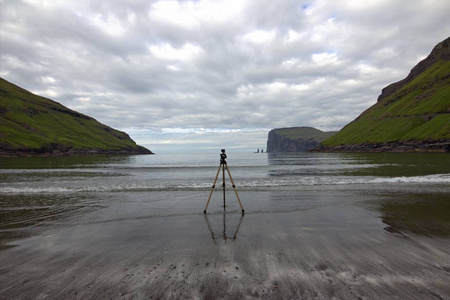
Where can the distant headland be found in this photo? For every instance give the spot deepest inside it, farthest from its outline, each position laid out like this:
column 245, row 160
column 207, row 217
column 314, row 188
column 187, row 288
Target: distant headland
column 295, row 139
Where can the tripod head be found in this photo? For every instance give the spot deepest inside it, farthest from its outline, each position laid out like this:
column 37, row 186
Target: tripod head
column 222, row 157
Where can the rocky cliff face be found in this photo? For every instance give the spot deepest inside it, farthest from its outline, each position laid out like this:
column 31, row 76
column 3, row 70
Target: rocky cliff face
column 278, row 143
column 295, row 139
column 439, row 52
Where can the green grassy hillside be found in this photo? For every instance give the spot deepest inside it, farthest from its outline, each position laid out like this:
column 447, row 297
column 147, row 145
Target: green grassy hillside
column 414, row 110
column 33, row 124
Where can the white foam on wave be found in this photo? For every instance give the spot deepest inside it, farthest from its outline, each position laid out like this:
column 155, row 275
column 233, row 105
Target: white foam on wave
column 28, row 190
column 263, row 183
column 339, row 180
column 103, row 188
column 438, row 178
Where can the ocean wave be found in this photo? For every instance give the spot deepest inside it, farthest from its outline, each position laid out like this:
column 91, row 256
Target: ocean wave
column 268, row 182
column 102, row 188
column 340, row 180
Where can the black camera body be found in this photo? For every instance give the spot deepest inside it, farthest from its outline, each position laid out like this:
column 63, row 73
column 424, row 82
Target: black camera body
column 223, row 156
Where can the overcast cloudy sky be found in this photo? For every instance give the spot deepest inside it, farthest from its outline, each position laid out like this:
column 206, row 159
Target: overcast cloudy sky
column 203, row 75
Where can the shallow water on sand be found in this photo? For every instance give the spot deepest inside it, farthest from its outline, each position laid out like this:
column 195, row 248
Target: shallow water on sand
column 315, row 226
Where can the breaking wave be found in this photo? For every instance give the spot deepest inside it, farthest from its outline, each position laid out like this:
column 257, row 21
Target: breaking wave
column 262, row 183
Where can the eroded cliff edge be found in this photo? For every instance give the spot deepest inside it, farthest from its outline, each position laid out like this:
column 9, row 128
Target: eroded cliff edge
column 295, row 139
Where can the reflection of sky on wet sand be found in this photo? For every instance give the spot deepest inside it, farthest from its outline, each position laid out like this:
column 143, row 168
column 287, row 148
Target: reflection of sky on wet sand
column 422, row 213
column 23, row 216
column 399, row 213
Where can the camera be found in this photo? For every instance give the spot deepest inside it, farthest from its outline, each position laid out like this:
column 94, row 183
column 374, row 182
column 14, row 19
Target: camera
column 223, row 156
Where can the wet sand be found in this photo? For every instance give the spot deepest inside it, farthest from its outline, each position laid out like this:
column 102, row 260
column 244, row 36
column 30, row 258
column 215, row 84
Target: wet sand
column 344, row 249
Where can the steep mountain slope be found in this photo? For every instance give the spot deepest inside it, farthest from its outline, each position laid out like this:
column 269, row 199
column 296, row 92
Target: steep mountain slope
column 410, row 115
column 32, row 125
column 295, row 139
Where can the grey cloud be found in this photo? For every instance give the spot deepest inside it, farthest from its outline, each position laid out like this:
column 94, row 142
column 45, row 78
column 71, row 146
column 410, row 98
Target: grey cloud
column 261, row 65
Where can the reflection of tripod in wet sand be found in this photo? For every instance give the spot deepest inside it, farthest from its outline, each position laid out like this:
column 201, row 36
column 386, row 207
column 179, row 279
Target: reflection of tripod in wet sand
column 224, row 234
column 223, row 165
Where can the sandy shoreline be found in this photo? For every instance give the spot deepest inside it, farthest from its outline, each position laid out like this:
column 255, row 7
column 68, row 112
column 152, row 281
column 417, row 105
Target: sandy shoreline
column 322, row 253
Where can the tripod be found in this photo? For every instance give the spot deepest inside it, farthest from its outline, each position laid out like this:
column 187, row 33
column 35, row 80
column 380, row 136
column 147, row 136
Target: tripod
column 223, row 165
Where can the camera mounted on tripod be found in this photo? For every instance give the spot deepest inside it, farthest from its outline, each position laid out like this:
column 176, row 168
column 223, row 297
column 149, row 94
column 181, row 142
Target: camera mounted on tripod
column 223, row 156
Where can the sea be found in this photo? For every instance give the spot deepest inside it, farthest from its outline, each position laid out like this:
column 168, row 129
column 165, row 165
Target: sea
column 38, row 192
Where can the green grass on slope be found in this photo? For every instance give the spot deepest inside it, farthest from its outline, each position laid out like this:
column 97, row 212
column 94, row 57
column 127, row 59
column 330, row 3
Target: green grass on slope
column 437, row 128
column 16, row 136
column 31, row 121
column 429, row 93
column 374, row 131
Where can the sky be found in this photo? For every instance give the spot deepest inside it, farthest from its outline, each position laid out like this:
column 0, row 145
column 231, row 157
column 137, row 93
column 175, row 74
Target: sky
column 199, row 76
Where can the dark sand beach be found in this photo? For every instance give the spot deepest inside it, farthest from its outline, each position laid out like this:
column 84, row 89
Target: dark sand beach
column 352, row 241
column 351, row 250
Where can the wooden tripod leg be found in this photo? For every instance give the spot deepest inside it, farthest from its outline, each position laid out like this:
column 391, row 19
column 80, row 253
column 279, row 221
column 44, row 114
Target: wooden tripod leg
column 223, row 183
column 235, row 191
column 212, row 189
